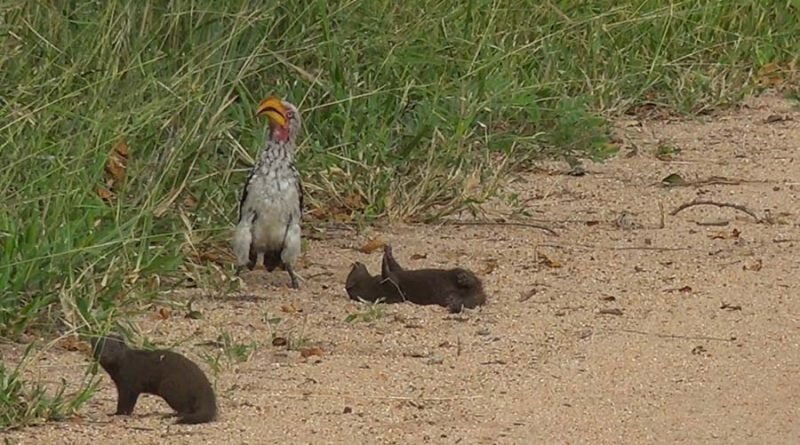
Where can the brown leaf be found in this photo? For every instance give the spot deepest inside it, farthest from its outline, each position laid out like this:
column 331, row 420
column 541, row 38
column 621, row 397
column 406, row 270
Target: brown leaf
column 755, row 266
column 685, row 289
column 592, row 223
column 611, row 311
column 117, row 162
column 419, row 256
column 162, row 314
column 105, row 194
column 194, row 315
column 190, row 202
column 372, row 245
column 770, row 75
column 213, row 254
column 318, row 213
column 313, row 350
column 547, row 261
column 72, row 343
column 279, row 341
column 731, row 307
column 528, row 295
column 288, row 308
column 354, row 201
column 733, row 234
column 491, row 265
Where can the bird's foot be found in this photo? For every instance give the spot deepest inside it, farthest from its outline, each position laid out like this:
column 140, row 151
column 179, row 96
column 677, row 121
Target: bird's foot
column 293, row 278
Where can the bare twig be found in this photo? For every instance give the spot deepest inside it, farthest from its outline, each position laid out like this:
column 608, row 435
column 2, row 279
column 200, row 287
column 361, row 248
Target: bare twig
column 594, row 247
column 738, row 207
column 501, row 223
column 376, row 398
column 675, row 336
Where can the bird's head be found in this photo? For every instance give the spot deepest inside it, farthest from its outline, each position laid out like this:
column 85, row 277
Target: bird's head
column 283, row 117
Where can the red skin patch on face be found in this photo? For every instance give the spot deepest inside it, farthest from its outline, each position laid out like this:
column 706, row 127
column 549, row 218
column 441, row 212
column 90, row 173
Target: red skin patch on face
column 279, row 134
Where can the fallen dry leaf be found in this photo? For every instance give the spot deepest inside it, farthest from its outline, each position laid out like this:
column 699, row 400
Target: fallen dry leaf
column 419, row 256
column 611, row 311
column 733, row 234
column 117, row 162
column 372, row 245
column 288, row 308
column 547, row 261
column 527, row 295
column 685, row 289
column 279, row 341
column 72, row 343
column 190, row 202
column 313, row 350
column 491, row 265
column 770, row 75
column 354, row 201
column 194, row 315
column 754, row 266
column 673, row 180
column 318, row 213
column 105, row 194
column 162, row 314
column 731, row 307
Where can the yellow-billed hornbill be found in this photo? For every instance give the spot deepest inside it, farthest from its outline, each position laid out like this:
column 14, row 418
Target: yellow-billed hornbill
column 270, row 209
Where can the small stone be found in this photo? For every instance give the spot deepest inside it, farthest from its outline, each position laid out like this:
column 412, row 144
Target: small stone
column 435, row 360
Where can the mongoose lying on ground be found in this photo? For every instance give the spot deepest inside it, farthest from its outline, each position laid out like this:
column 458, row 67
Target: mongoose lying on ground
column 163, row 373
column 452, row 288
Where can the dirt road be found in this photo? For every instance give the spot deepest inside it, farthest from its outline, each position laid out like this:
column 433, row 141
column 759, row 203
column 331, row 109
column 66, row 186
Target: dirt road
column 633, row 326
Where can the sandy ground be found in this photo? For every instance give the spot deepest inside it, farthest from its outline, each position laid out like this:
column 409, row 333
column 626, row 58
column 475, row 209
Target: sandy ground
column 620, row 330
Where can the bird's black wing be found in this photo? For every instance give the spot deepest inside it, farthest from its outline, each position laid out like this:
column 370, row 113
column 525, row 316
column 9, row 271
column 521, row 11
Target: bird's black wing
column 300, row 192
column 244, row 191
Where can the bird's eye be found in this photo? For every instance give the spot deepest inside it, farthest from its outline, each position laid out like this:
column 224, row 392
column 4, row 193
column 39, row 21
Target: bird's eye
column 290, row 114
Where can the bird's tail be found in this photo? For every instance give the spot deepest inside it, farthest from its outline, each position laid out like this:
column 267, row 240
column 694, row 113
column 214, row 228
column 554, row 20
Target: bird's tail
column 272, row 260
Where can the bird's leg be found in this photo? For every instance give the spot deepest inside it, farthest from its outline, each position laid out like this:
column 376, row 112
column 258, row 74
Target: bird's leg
column 292, row 276
column 253, row 259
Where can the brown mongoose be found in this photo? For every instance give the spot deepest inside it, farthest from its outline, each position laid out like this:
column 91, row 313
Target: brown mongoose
column 270, row 209
column 163, row 373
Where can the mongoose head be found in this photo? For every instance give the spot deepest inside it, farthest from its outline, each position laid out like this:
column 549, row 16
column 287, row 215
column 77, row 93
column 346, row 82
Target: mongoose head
column 109, row 349
column 358, row 281
column 283, row 117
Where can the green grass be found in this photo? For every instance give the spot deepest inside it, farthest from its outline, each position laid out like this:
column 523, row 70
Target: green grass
column 22, row 403
column 404, row 103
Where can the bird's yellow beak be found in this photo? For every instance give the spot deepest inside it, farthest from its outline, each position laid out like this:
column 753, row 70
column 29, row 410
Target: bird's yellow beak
column 273, row 108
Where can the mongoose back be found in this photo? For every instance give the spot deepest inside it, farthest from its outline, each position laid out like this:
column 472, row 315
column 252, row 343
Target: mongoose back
column 169, row 375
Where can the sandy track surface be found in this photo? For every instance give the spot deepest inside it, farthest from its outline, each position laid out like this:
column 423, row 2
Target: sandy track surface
column 620, row 330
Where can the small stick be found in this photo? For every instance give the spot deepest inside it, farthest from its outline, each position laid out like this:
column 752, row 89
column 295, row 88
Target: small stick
column 738, row 207
column 679, row 337
column 594, row 247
